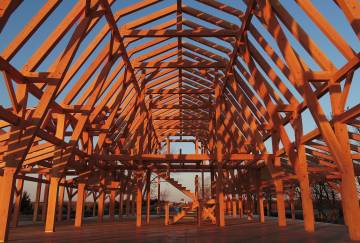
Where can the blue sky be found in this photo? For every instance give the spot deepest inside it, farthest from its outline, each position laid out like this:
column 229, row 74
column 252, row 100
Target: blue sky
column 333, row 14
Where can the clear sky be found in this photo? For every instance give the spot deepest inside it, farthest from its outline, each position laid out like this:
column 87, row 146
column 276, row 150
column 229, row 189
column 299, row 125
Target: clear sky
column 327, row 7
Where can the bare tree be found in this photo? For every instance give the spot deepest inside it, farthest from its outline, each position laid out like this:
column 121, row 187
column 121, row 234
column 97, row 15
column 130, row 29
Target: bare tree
column 326, row 202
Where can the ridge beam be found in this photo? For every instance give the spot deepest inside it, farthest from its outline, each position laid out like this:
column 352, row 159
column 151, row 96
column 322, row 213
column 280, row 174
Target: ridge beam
column 200, row 32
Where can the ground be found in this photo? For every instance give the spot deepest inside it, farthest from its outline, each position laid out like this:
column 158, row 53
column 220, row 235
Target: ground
column 237, row 230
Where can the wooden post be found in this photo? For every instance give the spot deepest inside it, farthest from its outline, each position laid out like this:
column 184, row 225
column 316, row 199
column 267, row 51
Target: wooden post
column 148, row 181
column 202, row 172
column 79, row 213
column 127, row 206
column 220, row 200
column 219, row 156
column 69, row 204
column 280, row 202
column 266, row 202
column 168, row 151
column 240, row 203
column 101, row 198
column 301, row 170
column 249, row 204
column 121, row 204
column 198, row 201
column 94, row 204
column 307, row 204
column 348, row 187
column 131, row 200
column 167, row 214
column 131, row 204
column 261, row 207
column 45, row 199
column 101, row 204
column 112, row 202
column 212, row 182
column 202, row 186
column 6, row 199
column 168, row 148
column 52, row 204
column 17, row 205
column 234, row 209
column 37, row 198
column 158, row 194
column 229, row 205
column 138, row 203
column 226, row 205
column 269, row 201
column 196, row 145
column 60, row 202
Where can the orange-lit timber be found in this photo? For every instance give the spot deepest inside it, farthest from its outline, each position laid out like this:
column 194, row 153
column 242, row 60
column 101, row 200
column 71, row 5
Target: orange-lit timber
column 100, row 120
column 80, row 204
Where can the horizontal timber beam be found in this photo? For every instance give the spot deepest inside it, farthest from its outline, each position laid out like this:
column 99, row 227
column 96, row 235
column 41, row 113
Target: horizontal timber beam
column 189, row 107
column 183, row 64
column 179, row 91
column 181, row 127
column 180, row 157
column 200, row 32
column 184, row 118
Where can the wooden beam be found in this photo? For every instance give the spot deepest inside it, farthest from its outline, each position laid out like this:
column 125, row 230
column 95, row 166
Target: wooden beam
column 179, row 33
column 179, row 91
column 79, row 212
column 175, row 64
column 181, row 157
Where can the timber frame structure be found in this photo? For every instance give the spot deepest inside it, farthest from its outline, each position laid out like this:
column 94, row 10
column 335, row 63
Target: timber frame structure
column 105, row 107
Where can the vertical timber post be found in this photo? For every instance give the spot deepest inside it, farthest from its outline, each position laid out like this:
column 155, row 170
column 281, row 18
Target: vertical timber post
column 69, row 203
column 167, row 215
column 127, row 205
column 148, row 181
column 280, row 202
column 249, row 206
column 138, row 202
column 212, row 182
column 158, row 196
column 198, row 213
column 261, row 207
column 121, row 204
column 348, row 189
column 112, row 201
column 301, row 170
column 37, row 198
column 45, row 199
column 269, row 201
column 94, row 204
column 241, row 209
column 6, row 199
column 202, row 186
column 55, row 177
column 234, row 209
column 101, row 200
column 79, row 213
column 52, row 204
column 60, row 201
column 219, row 157
column 17, row 205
